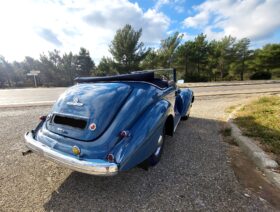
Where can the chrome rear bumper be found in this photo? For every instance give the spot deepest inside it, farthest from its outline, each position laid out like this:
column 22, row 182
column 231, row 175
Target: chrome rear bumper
column 89, row 166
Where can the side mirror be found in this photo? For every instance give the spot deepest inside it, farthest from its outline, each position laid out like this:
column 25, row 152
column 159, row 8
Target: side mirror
column 181, row 81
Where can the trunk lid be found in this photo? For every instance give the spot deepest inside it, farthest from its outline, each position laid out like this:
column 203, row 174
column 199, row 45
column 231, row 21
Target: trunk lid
column 85, row 111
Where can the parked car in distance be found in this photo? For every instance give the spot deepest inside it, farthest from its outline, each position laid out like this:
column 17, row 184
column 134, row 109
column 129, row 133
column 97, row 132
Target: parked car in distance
column 105, row 125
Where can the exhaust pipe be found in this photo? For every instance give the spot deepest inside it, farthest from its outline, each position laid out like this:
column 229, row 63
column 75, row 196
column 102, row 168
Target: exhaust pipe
column 27, row 152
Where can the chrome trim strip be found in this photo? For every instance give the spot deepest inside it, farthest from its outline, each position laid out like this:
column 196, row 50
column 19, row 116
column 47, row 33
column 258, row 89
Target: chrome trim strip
column 149, row 83
column 89, row 166
column 176, row 125
column 79, row 104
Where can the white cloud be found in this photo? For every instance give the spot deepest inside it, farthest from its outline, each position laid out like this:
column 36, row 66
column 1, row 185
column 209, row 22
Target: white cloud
column 187, row 36
column 255, row 19
column 179, row 9
column 177, row 5
column 200, row 19
column 160, row 3
column 31, row 27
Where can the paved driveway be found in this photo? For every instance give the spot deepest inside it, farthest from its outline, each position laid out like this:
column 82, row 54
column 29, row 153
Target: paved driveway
column 194, row 174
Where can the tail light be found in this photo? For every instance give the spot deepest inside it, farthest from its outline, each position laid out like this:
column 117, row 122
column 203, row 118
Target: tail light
column 92, row 126
column 42, row 118
column 110, row 158
column 124, row 134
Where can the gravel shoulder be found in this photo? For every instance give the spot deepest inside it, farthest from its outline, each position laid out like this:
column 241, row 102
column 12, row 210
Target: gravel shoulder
column 195, row 172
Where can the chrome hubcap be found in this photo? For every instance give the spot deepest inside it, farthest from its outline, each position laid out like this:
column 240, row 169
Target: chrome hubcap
column 160, row 140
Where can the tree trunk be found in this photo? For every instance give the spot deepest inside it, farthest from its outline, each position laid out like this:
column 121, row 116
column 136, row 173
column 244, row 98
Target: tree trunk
column 222, row 71
column 8, row 79
column 242, row 69
column 186, row 68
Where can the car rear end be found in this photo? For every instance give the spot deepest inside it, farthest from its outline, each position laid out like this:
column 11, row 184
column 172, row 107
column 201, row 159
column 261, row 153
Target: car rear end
column 69, row 134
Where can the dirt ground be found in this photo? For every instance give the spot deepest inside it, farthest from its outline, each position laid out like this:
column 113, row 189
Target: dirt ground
column 249, row 176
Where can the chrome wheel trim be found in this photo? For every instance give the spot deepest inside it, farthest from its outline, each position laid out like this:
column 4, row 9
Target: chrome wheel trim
column 160, row 141
column 157, row 151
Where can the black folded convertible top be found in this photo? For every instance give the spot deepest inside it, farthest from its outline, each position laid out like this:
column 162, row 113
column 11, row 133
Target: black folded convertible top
column 145, row 76
column 142, row 76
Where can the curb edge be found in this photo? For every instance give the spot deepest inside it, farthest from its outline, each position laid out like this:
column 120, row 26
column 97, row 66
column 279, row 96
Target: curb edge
column 254, row 152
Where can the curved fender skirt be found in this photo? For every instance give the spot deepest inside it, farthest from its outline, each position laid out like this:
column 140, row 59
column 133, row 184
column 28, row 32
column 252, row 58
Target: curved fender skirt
column 89, row 166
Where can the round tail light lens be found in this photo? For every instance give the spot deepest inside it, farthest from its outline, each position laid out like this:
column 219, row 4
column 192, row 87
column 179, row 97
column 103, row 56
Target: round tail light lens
column 110, row 158
column 124, row 133
column 42, row 118
column 92, row 126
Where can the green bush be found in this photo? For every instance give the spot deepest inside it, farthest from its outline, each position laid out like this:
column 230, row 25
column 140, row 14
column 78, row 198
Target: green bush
column 196, row 78
column 229, row 78
column 261, row 75
column 276, row 73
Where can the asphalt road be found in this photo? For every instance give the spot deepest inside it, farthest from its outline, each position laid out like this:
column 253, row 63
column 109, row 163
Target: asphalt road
column 236, row 89
column 194, row 174
column 46, row 96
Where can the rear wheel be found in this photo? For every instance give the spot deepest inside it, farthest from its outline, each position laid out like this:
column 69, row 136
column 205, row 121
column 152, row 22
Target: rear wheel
column 155, row 157
column 184, row 118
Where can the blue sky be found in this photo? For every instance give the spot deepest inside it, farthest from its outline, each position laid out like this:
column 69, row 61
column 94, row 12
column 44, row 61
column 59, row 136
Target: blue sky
column 31, row 27
column 177, row 11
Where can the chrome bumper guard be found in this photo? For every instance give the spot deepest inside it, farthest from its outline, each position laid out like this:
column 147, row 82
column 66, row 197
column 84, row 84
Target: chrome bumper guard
column 93, row 166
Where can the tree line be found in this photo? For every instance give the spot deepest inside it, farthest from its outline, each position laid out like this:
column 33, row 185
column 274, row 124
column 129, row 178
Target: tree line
column 195, row 60
column 55, row 69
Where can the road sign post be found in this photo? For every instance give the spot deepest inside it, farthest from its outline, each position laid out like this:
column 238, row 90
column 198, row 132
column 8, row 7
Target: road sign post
column 34, row 73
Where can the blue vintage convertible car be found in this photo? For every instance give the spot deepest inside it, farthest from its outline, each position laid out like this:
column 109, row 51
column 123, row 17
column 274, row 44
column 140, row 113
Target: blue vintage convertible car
column 104, row 125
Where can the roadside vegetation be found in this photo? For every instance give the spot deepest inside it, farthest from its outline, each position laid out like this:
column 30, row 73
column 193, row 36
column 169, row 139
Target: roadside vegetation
column 196, row 60
column 261, row 120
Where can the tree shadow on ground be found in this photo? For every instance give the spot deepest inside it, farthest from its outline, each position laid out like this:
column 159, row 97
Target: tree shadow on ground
column 193, row 175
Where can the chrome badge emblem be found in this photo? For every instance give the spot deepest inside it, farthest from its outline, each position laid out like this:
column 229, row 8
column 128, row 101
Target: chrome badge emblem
column 75, row 102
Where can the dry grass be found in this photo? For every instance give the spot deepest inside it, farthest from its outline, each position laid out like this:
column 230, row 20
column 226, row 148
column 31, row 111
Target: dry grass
column 231, row 109
column 261, row 120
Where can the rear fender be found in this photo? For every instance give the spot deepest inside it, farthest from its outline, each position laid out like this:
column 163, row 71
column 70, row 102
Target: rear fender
column 38, row 127
column 143, row 138
column 187, row 96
